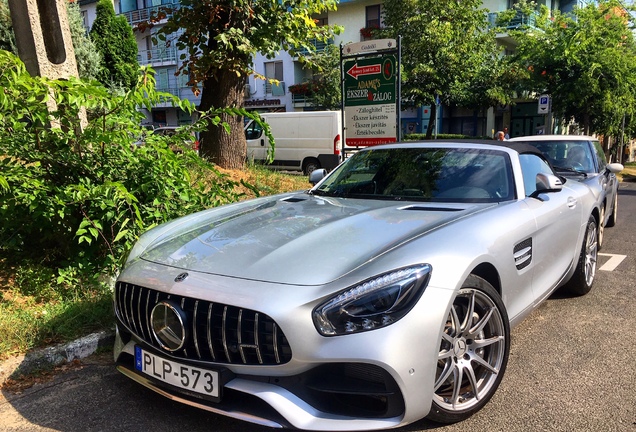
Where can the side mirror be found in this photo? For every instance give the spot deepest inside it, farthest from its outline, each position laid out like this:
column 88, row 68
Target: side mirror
column 316, row 175
column 615, row 168
column 547, row 183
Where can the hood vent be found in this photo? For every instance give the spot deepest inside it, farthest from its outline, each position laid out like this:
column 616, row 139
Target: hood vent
column 430, row 208
column 294, row 199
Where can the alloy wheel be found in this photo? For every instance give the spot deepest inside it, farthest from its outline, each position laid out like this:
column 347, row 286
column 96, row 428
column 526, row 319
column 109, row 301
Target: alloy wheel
column 472, row 352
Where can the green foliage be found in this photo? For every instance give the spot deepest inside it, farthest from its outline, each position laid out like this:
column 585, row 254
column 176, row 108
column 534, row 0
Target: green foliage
column 74, row 199
column 325, row 85
column 114, row 39
column 86, row 54
column 449, row 52
column 586, row 62
column 7, row 38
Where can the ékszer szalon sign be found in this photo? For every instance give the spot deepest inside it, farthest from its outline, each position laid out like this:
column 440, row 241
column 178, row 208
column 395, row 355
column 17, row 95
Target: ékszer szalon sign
column 370, row 102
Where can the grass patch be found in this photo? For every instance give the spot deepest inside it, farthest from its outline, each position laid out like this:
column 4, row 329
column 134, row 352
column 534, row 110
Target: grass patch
column 26, row 324
column 629, row 173
column 38, row 308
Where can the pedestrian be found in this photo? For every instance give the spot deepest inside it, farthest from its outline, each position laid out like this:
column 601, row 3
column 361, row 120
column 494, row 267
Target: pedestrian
column 505, row 131
column 500, row 136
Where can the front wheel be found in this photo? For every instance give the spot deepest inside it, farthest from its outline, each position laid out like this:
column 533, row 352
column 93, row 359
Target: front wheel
column 583, row 277
column 473, row 353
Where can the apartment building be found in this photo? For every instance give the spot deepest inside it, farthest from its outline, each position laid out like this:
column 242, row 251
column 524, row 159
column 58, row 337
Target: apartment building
column 354, row 16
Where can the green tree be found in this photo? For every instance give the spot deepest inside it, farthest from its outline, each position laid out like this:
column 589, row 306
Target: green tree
column 7, row 38
column 75, row 199
column 325, row 85
column 448, row 52
column 114, row 39
column 220, row 39
column 586, row 62
column 86, row 54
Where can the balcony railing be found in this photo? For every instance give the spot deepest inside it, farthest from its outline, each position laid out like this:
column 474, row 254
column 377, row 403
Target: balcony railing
column 140, row 15
column 520, row 20
column 302, row 100
column 318, row 45
column 155, row 56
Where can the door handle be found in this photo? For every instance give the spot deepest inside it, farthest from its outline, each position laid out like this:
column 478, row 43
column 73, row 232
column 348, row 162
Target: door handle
column 262, row 142
column 571, row 202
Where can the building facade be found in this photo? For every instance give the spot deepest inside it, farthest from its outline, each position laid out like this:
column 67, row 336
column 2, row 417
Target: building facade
column 521, row 117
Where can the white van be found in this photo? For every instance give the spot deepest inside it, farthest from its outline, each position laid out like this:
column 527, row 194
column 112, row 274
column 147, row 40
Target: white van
column 304, row 141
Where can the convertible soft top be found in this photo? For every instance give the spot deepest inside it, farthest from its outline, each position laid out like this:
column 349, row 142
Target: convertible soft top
column 519, row 147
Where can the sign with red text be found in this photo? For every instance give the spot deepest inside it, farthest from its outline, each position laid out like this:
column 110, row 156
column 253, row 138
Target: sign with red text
column 370, row 96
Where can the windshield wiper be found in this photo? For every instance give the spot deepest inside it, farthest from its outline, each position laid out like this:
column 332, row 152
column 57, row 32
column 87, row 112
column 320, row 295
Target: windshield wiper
column 570, row 170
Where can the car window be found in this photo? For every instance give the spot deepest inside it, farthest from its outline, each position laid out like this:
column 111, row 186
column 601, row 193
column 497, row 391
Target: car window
column 569, row 156
column 423, row 174
column 531, row 165
column 253, row 131
column 166, row 132
column 600, row 156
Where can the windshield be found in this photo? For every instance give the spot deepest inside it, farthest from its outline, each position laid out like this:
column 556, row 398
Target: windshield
column 423, row 174
column 568, row 156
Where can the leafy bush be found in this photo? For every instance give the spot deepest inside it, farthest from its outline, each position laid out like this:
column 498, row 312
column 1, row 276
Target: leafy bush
column 75, row 194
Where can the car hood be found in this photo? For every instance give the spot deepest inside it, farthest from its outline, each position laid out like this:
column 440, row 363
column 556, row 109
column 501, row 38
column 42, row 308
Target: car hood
column 297, row 239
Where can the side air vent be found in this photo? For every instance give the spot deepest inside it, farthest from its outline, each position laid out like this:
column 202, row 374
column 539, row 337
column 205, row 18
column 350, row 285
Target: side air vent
column 523, row 254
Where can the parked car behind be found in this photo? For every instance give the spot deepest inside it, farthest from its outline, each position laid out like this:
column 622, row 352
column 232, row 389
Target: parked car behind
column 384, row 294
column 178, row 137
column 582, row 158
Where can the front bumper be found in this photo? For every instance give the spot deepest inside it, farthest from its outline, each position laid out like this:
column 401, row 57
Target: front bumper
column 379, row 379
column 331, row 396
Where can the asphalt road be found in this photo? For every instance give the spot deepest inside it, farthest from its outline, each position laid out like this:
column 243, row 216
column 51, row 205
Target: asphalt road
column 572, row 368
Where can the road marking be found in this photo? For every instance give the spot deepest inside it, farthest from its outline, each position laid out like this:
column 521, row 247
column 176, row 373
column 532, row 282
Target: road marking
column 613, row 262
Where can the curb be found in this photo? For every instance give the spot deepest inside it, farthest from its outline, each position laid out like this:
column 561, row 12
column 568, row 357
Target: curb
column 47, row 358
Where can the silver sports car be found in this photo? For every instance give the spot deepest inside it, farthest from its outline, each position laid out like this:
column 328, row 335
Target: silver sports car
column 382, row 295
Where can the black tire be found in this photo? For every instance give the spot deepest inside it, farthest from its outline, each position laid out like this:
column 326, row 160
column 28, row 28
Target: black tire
column 480, row 345
column 310, row 165
column 583, row 277
column 612, row 219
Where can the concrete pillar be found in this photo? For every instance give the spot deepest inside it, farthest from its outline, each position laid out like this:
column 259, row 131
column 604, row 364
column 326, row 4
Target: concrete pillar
column 43, row 37
column 490, row 122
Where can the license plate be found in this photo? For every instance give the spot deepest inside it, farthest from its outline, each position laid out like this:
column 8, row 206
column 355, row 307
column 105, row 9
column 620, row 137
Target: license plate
column 186, row 377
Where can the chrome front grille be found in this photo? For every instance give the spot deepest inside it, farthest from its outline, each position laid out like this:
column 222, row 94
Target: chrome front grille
column 215, row 332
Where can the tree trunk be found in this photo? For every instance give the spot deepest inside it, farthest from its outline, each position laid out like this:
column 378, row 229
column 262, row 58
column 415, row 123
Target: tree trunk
column 216, row 145
column 431, row 121
column 586, row 124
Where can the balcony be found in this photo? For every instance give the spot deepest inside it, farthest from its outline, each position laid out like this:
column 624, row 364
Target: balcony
column 519, row 21
column 302, row 100
column 137, row 16
column 318, row 45
column 158, row 57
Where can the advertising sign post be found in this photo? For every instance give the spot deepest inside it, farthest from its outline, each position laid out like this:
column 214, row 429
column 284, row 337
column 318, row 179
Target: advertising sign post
column 370, row 92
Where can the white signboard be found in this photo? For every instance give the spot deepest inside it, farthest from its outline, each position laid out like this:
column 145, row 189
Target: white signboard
column 370, row 124
column 368, row 46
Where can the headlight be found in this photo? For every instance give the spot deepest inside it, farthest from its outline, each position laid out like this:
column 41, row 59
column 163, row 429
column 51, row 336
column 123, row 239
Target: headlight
column 373, row 304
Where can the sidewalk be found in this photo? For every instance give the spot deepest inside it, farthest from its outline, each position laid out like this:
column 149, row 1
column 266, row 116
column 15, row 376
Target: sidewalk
column 47, row 358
